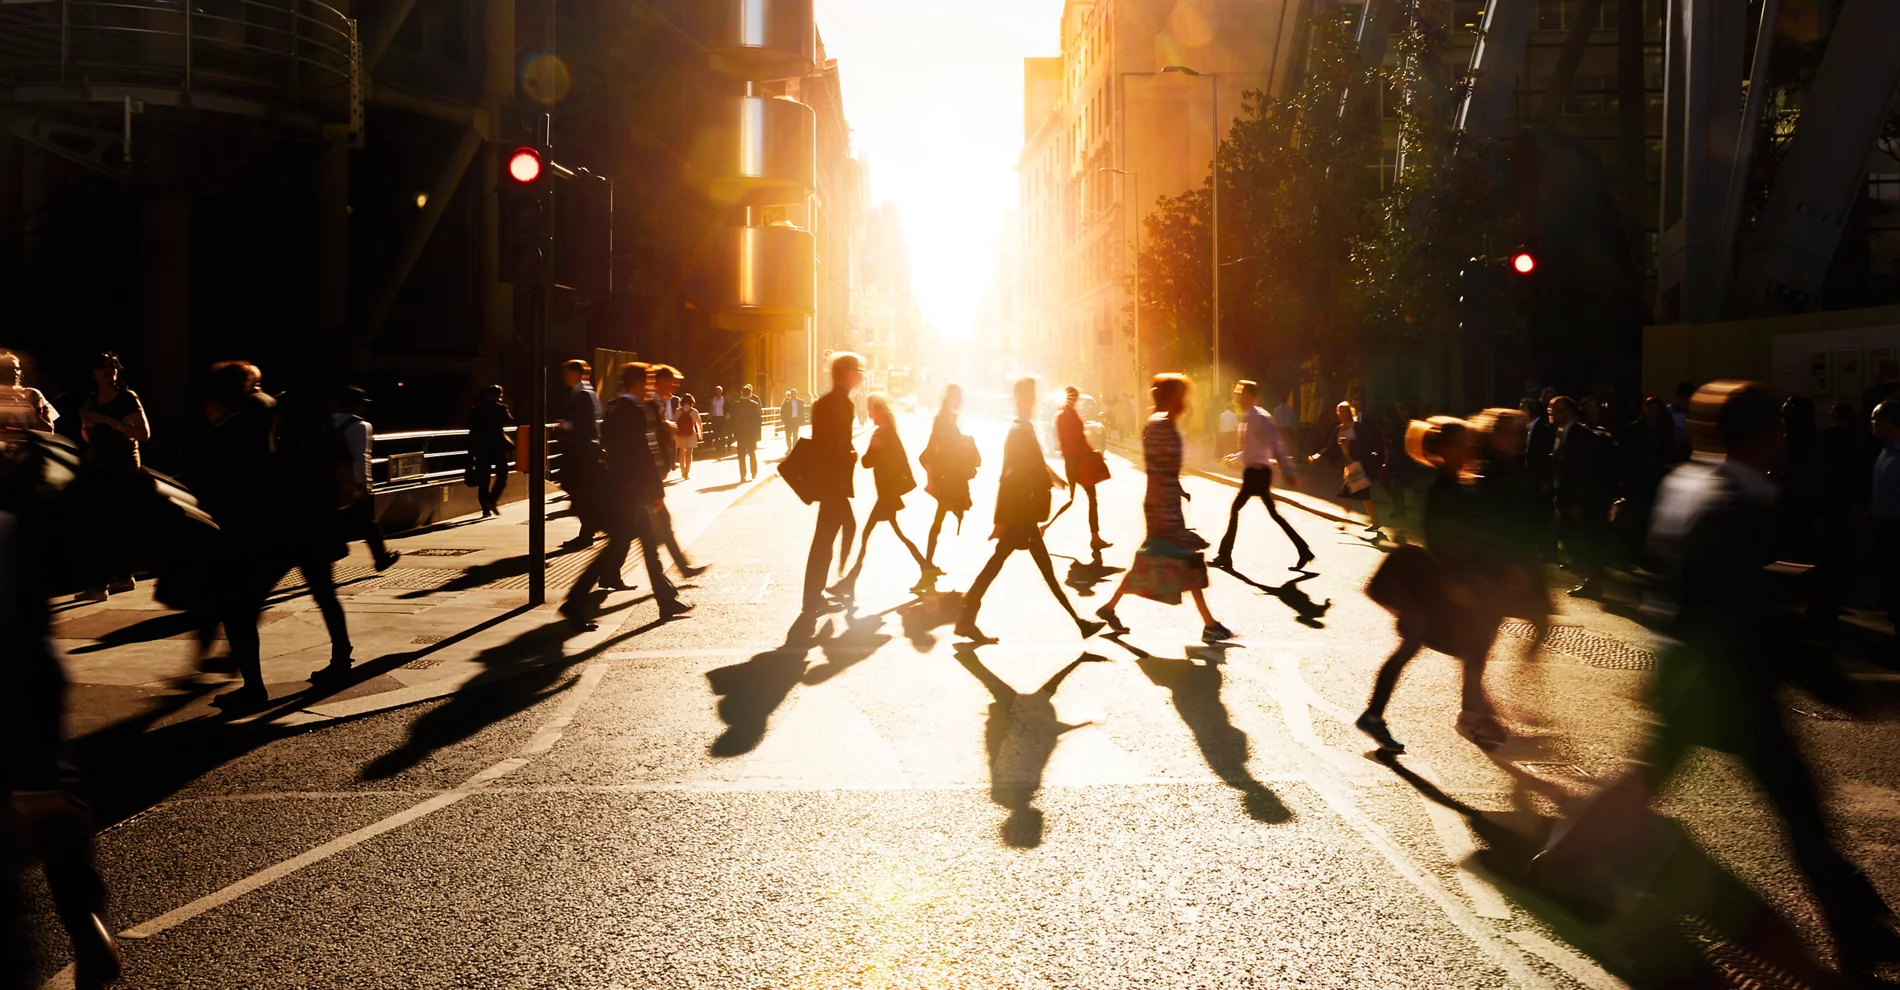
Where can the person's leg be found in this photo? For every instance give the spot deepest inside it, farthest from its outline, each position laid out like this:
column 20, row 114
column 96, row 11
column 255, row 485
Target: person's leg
column 1039, row 552
column 850, row 580
column 973, row 599
column 936, row 529
column 847, row 533
column 663, row 590
column 752, row 455
column 831, row 515
column 1200, row 605
column 244, row 600
column 1273, row 509
column 1387, row 680
column 1095, row 515
column 321, row 580
column 1060, row 509
column 500, row 485
column 614, row 549
column 915, row 554
column 661, row 521
column 1372, row 512
column 1233, row 524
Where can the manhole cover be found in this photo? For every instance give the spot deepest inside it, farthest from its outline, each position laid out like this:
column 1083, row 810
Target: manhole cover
column 440, row 552
column 1597, row 651
column 428, row 639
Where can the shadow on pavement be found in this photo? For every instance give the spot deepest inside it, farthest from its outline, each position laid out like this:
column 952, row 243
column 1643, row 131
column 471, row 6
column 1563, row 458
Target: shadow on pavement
column 1306, row 611
column 1087, row 575
column 751, row 691
column 1693, row 923
column 1020, row 735
column 923, row 615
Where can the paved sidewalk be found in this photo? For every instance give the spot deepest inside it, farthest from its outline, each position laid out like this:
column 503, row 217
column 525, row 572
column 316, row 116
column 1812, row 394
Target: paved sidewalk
column 452, row 613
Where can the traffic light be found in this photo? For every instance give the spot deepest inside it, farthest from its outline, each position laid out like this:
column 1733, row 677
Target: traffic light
column 527, row 218
column 1523, row 261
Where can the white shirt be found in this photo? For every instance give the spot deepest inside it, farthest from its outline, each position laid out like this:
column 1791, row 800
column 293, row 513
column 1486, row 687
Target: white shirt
column 360, row 437
column 719, row 405
column 1229, row 423
column 1260, row 441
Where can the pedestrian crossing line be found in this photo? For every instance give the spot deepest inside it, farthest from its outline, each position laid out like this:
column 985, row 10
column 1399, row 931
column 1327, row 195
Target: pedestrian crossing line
column 543, row 740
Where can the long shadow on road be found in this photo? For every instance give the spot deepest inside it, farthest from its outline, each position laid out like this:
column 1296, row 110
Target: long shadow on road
column 1020, row 736
column 750, row 692
column 1306, row 611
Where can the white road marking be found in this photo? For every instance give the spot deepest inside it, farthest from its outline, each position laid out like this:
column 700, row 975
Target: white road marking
column 1454, row 835
column 543, row 740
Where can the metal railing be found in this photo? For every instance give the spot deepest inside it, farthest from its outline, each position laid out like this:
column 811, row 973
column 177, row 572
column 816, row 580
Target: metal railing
column 262, row 57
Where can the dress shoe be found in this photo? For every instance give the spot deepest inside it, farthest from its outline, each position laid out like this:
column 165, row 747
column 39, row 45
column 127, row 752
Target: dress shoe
column 95, row 955
column 242, row 700
column 388, row 560
column 1374, row 726
column 672, row 608
column 1222, row 563
column 1306, row 557
column 1111, row 620
column 969, row 631
column 1214, row 632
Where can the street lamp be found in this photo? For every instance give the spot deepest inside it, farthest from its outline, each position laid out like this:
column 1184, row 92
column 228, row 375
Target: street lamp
column 1214, row 212
column 1135, row 179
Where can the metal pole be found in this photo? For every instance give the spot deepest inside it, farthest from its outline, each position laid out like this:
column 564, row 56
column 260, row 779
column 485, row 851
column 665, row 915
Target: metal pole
column 537, row 445
column 187, row 6
column 1214, row 380
column 1135, row 178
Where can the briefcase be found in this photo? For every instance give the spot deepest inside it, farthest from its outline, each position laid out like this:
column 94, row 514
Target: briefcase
column 803, row 470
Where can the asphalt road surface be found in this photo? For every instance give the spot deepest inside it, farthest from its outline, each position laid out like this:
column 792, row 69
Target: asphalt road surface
column 736, row 799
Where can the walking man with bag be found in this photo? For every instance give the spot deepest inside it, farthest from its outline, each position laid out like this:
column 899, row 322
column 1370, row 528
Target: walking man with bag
column 1260, row 442
column 1082, row 463
column 747, row 421
column 834, row 461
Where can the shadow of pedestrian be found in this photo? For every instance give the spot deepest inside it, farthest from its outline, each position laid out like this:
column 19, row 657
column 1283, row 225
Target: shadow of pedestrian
column 1306, row 611
column 923, row 615
column 1020, row 735
column 1196, row 691
column 751, row 691
column 847, row 647
column 1686, row 920
column 1087, row 575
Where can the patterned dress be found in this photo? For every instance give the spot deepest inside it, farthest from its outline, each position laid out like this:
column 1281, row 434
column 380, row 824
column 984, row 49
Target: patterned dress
column 1161, row 457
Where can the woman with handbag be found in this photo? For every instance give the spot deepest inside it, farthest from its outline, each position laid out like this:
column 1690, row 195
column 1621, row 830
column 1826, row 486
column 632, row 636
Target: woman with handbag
column 686, row 434
column 1169, row 560
column 1082, row 463
column 950, row 460
column 890, row 469
column 1355, row 447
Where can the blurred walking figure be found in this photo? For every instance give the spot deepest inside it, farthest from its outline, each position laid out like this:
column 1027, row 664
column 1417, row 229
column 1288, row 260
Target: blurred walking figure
column 634, row 489
column 22, row 408
column 359, row 435
column 1261, row 446
column 834, row 461
column 113, row 423
column 950, row 460
column 791, row 417
column 1578, row 455
column 1446, row 596
column 489, row 449
column 44, row 819
column 663, row 438
column 1083, row 466
column 234, row 471
column 890, row 469
column 1022, row 505
column 686, row 430
column 577, row 447
column 747, row 423
column 1169, row 560
column 323, row 486
column 1355, row 449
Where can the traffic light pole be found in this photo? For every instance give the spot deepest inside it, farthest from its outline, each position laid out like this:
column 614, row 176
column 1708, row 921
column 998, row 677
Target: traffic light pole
column 537, row 445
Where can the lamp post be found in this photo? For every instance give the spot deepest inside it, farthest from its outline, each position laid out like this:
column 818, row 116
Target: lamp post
column 1134, row 179
column 1214, row 211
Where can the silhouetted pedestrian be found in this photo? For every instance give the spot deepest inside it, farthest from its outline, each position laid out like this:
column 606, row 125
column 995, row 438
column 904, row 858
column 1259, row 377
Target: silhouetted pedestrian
column 1083, row 465
column 235, row 472
column 748, row 422
column 113, row 424
column 1353, row 446
column 489, row 450
column 663, row 438
column 1261, row 446
column 577, row 450
column 686, row 430
column 1022, row 505
column 835, row 461
column 890, row 470
column 1582, row 499
column 1884, row 506
column 791, row 417
column 950, row 460
column 359, row 436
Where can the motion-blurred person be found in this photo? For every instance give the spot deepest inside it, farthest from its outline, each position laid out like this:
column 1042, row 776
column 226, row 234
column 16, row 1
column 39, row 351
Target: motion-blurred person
column 950, row 460
column 1541, row 441
column 323, row 491
column 686, row 433
column 236, row 474
column 663, row 438
column 1287, row 420
column 1399, row 470
column 359, row 435
column 1582, row 501
column 1083, row 466
column 747, row 423
column 1261, row 446
column 836, row 462
column 890, row 470
column 44, row 820
column 1352, row 445
column 1444, row 596
column 489, row 449
column 791, row 417
column 577, row 450
column 22, row 408
column 113, row 424
column 634, row 487
column 1169, row 560
column 1884, row 505
column 1649, row 447
column 1022, row 505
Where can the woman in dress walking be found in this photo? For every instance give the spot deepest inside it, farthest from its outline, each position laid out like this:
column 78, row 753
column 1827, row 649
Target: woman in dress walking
column 1354, row 446
column 950, row 460
column 890, row 469
column 1169, row 560
column 686, row 432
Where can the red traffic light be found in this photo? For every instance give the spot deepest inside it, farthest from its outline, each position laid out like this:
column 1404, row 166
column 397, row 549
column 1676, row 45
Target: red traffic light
column 1523, row 262
column 524, row 166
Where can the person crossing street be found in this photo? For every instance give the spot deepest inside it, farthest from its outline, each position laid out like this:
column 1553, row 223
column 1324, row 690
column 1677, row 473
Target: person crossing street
column 1261, row 446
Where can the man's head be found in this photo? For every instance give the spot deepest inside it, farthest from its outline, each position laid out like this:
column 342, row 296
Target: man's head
column 633, row 377
column 1544, row 397
column 745, row 391
column 1887, row 421
column 229, row 383
column 492, row 393
column 1071, row 395
column 1025, row 391
column 665, row 378
column 1739, row 419
column 1169, row 392
column 847, row 371
column 575, row 372
column 354, row 400
column 719, row 391
column 1563, row 410
column 791, row 393
column 1246, row 394
column 106, row 369
column 1590, row 410
column 9, row 369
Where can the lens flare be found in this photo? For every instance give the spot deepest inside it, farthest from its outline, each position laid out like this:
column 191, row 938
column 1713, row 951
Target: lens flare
column 546, row 80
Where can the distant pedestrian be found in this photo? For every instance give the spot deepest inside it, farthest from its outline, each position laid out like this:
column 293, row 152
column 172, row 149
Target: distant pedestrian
column 577, row 450
column 22, row 408
column 890, row 470
column 663, row 439
column 1578, row 455
column 686, row 431
column 1886, row 383
column 634, row 490
column 950, row 460
column 1398, row 474
column 113, row 424
column 791, row 417
column 1351, row 444
column 718, row 413
column 489, row 450
column 359, row 435
column 1287, row 421
column 1227, row 433
column 1022, row 505
column 322, row 487
column 834, row 461
column 1884, row 505
column 1169, row 560
column 235, row 473
column 1083, row 466
column 747, row 423
column 1261, row 447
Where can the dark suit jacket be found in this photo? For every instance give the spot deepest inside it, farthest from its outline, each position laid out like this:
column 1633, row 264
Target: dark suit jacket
column 832, row 418
column 747, row 419
column 633, row 476
column 1537, row 449
column 1022, row 495
column 1577, row 466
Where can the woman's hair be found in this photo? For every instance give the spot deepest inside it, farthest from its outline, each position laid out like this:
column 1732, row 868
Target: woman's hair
column 1426, row 440
column 1168, row 387
column 943, row 405
column 879, row 405
column 492, row 391
column 108, row 359
column 687, row 397
column 1343, row 404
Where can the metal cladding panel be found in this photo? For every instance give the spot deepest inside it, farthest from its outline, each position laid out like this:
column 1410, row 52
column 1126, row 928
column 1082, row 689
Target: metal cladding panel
column 768, row 271
column 763, row 151
column 764, row 39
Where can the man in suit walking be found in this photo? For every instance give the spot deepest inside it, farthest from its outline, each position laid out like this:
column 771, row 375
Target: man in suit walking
column 1583, row 503
column 747, row 421
column 791, row 417
column 837, row 460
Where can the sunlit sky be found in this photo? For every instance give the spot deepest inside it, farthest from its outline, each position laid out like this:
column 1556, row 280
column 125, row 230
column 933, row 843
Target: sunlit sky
column 934, row 94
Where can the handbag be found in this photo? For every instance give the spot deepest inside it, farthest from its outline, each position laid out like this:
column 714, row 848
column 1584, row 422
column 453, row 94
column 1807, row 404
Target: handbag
column 470, row 477
column 802, row 472
column 1093, row 470
column 1356, row 478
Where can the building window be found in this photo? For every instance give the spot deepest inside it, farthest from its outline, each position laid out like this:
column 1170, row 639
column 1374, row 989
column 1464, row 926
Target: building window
column 1884, row 187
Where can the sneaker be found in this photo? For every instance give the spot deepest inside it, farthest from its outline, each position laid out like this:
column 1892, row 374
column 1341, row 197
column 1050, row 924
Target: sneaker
column 1216, row 633
column 1111, row 620
column 119, row 586
column 1374, row 726
column 96, row 593
column 1089, row 629
column 969, row 631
